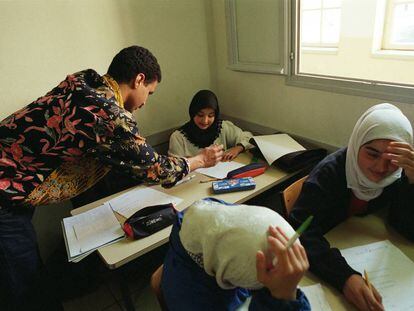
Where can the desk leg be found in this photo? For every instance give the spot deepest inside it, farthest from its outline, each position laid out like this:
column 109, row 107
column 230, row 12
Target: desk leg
column 126, row 295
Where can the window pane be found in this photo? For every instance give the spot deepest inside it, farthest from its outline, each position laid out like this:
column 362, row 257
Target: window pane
column 403, row 26
column 331, row 3
column 311, row 26
column 310, row 4
column 353, row 24
column 331, row 23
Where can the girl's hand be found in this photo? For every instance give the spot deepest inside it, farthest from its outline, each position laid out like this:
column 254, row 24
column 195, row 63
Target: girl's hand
column 402, row 155
column 232, row 153
column 282, row 278
column 358, row 293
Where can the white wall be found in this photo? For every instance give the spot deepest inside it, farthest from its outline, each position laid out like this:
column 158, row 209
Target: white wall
column 267, row 100
column 44, row 40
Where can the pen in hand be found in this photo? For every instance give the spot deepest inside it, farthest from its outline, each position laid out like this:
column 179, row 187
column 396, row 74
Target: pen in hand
column 366, row 279
column 298, row 232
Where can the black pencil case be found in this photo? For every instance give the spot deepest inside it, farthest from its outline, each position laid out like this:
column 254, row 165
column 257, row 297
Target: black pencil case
column 149, row 220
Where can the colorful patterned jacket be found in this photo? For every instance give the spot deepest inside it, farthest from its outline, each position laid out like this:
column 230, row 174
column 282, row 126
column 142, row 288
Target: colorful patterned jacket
column 64, row 142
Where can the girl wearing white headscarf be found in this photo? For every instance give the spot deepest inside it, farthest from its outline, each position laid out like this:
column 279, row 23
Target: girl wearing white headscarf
column 375, row 170
column 220, row 253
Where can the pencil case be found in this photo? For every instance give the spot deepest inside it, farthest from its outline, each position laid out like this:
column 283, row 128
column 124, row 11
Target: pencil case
column 232, row 185
column 249, row 170
column 149, row 220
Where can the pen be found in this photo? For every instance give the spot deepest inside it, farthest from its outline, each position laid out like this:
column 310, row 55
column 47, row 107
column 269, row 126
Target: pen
column 184, row 180
column 208, row 180
column 300, row 230
column 367, row 280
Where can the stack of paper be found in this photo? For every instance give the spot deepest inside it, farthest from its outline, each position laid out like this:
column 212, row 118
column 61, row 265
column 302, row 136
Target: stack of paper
column 132, row 201
column 87, row 231
column 220, row 170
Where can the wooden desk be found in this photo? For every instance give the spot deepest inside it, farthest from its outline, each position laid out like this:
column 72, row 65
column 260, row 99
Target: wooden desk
column 120, row 253
column 354, row 232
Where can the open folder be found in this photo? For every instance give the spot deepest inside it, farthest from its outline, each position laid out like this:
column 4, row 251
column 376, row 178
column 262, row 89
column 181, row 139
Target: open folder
column 283, row 151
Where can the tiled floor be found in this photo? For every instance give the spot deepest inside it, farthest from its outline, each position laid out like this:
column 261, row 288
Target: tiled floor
column 106, row 293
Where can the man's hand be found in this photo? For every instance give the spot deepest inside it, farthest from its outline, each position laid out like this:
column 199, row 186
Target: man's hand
column 207, row 157
column 358, row 293
column 231, row 153
column 283, row 278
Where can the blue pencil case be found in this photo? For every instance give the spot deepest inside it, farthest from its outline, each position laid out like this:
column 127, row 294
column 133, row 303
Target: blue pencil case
column 232, row 185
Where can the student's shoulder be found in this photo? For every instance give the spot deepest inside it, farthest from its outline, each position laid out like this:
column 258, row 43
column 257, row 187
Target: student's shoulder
column 330, row 168
column 177, row 134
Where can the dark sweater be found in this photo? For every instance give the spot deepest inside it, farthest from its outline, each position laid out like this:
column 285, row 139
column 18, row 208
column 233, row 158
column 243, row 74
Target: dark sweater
column 325, row 196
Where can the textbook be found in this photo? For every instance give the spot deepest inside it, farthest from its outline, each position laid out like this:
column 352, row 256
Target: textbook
column 232, row 185
column 284, row 152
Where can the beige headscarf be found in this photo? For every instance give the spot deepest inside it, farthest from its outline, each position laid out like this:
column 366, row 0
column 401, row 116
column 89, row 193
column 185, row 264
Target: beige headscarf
column 382, row 121
column 228, row 238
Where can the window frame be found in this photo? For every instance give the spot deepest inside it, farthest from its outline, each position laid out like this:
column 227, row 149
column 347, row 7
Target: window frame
column 320, row 45
column 356, row 87
column 388, row 24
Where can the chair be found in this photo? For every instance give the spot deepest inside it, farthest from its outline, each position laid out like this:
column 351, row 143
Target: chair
column 156, row 287
column 290, row 195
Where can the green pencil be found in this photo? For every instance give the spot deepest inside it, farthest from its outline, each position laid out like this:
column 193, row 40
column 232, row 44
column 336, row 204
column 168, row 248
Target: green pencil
column 300, row 230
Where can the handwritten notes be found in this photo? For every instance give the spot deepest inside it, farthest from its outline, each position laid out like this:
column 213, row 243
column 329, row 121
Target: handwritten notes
column 390, row 271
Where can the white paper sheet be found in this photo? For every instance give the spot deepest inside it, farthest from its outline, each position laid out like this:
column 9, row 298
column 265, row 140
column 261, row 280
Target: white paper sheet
column 316, row 297
column 220, row 170
column 87, row 231
column 275, row 146
column 136, row 199
column 389, row 270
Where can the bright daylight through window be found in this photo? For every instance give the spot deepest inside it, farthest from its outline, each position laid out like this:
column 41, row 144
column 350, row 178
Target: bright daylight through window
column 366, row 41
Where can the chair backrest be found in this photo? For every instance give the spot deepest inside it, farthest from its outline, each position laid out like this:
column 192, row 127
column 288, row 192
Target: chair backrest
column 290, row 195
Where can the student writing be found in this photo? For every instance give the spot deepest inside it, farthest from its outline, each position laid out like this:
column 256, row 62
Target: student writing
column 374, row 171
column 205, row 128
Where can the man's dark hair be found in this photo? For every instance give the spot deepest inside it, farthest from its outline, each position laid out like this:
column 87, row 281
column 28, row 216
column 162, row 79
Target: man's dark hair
column 131, row 61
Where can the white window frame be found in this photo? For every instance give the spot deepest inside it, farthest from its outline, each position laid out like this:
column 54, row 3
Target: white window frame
column 357, row 87
column 388, row 24
column 310, row 46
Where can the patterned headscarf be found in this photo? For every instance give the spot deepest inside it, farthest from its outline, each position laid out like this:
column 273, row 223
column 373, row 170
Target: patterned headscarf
column 224, row 239
column 199, row 137
column 382, row 121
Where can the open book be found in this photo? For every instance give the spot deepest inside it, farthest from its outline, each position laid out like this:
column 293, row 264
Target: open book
column 285, row 152
column 85, row 232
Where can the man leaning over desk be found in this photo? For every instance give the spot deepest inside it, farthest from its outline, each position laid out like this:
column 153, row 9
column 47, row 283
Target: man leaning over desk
column 63, row 143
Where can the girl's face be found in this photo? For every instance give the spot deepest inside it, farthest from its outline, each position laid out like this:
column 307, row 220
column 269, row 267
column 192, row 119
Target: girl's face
column 371, row 161
column 204, row 118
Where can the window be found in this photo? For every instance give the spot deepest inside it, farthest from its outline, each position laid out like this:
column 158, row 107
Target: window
column 320, row 23
column 399, row 25
column 350, row 25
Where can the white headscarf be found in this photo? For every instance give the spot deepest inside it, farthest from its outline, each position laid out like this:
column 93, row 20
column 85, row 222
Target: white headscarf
column 228, row 238
column 382, row 121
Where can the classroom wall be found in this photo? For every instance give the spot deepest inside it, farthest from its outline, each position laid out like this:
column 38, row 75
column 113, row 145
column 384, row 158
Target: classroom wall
column 44, row 40
column 267, row 100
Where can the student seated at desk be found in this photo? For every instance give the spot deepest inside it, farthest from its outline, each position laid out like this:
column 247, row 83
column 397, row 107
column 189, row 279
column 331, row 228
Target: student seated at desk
column 205, row 128
column 218, row 251
column 376, row 170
